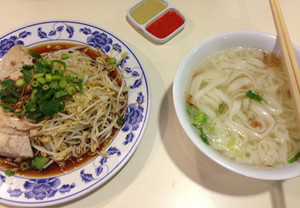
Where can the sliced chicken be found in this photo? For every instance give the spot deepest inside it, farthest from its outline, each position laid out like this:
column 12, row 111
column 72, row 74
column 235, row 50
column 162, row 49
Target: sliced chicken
column 9, row 121
column 11, row 64
column 15, row 146
column 14, row 136
column 9, row 124
column 15, row 132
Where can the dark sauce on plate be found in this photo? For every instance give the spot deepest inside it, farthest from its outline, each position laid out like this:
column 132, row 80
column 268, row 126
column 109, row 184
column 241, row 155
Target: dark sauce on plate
column 54, row 169
column 72, row 163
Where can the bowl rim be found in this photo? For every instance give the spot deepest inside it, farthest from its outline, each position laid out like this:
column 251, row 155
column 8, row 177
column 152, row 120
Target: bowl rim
column 181, row 76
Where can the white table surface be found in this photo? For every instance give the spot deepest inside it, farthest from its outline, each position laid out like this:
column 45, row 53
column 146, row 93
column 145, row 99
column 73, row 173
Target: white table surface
column 167, row 170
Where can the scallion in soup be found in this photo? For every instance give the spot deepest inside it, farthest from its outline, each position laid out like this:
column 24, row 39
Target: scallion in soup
column 249, row 112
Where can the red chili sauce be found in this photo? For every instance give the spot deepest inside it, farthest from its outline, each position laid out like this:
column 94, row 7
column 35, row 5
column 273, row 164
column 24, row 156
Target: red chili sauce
column 166, row 24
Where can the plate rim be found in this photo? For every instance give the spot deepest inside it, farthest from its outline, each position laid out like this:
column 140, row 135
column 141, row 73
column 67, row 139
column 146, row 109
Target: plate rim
column 102, row 181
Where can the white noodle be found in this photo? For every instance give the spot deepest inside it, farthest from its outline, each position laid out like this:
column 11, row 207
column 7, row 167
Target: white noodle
column 260, row 134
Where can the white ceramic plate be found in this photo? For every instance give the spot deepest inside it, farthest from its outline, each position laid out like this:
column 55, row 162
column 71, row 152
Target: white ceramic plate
column 37, row 192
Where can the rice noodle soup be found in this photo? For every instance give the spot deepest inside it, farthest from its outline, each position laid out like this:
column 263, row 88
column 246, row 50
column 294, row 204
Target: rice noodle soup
column 239, row 102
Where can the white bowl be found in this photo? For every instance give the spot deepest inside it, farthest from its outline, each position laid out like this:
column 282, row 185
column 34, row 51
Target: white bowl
column 201, row 50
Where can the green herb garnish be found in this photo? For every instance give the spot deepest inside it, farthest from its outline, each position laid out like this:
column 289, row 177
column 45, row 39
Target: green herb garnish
column 36, row 55
column 196, row 115
column 6, row 108
column 64, row 56
column 27, row 74
column 254, row 96
column 38, row 163
column 49, row 89
column 7, row 84
column 9, row 173
column 221, row 108
column 20, row 83
column 199, row 121
column 202, row 134
column 120, row 120
column 295, row 158
column 9, row 99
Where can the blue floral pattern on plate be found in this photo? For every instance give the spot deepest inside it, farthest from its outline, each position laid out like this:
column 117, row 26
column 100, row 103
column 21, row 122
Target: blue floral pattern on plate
column 41, row 188
column 7, row 43
column 25, row 191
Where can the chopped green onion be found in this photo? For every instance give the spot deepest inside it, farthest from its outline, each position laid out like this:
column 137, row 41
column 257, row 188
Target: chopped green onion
column 59, row 62
column 40, row 67
column 80, row 88
column 80, row 78
column 48, row 77
column 35, row 83
column 56, row 70
column 112, row 60
column 32, row 96
column 38, row 75
column 196, row 115
column 200, row 118
column 44, row 62
column 24, row 165
column 20, row 83
column 54, row 85
column 209, row 126
column 64, row 56
column 221, row 108
column 204, row 138
column 71, row 90
column 69, row 78
column 63, row 83
column 56, row 77
column 49, row 84
column 202, row 135
column 231, row 143
column 60, row 94
column 253, row 95
column 41, row 80
column 45, row 87
column 234, row 147
column 295, row 158
column 192, row 110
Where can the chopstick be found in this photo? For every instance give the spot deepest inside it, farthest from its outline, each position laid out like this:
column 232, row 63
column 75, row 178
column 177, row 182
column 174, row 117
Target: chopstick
column 288, row 54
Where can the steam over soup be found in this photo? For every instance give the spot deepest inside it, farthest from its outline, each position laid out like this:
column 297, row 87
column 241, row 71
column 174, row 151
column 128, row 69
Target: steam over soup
column 239, row 101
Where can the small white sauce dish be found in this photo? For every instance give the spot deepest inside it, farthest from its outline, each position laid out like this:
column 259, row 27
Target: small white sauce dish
column 157, row 19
